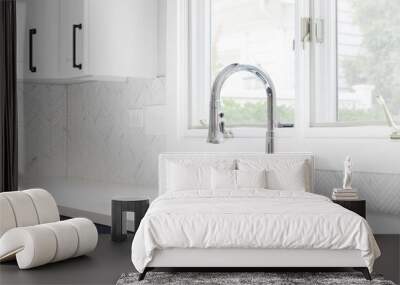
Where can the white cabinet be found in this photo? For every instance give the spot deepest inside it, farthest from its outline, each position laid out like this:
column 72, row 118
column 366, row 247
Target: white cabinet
column 21, row 39
column 128, row 43
column 91, row 39
column 37, row 38
column 73, row 38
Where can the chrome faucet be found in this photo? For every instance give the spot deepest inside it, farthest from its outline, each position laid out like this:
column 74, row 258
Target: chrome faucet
column 216, row 128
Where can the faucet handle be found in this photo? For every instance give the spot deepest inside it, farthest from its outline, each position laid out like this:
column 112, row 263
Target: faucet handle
column 221, row 122
column 226, row 133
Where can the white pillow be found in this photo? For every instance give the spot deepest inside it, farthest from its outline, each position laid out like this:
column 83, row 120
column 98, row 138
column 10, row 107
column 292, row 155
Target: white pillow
column 223, row 179
column 188, row 177
column 282, row 174
column 251, row 178
column 292, row 178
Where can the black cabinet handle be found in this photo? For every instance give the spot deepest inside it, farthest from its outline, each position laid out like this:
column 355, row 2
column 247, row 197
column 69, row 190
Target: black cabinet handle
column 31, row 33
column 74, row 28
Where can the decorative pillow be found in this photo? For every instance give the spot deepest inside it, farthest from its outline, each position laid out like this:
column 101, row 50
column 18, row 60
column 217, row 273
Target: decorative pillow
column 188, row 177
column 251, row 178
column 282, row 174
column 223, row 179
column 293, row 178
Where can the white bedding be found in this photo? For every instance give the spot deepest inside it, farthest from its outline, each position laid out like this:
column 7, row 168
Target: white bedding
column 252, row 218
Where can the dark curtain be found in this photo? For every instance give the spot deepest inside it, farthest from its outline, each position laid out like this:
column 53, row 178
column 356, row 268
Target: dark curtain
column 8, row 99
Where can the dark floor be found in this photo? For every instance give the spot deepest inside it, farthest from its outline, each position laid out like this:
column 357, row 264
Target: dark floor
column 103, row 266
column 110, row 260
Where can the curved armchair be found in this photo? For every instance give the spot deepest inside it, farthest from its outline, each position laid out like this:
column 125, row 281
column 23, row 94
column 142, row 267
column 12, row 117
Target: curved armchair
column 31, row 230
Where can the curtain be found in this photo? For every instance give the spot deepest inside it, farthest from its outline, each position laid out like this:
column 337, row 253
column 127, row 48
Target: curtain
column 8, row 97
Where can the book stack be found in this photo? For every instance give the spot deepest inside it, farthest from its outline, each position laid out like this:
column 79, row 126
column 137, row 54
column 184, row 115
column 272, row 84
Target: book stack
column 344, row 194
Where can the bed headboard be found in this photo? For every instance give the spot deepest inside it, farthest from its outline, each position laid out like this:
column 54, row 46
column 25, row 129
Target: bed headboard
column 165, row 158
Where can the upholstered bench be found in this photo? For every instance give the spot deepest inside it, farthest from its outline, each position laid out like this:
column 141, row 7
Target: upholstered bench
column 31, row 230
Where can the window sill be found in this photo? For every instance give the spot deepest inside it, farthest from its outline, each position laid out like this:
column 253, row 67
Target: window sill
column 348, row 124
column 249, row 133
column 353, row 132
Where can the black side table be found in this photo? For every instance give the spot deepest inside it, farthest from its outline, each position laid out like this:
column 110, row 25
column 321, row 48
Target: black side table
column 357, row 206
column 119, row 207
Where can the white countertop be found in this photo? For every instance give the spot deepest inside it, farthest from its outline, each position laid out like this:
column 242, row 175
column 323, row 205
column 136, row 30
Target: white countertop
column 87, row 197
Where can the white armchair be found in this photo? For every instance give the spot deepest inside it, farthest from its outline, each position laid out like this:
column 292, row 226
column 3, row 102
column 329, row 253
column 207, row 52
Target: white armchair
column 31, row 230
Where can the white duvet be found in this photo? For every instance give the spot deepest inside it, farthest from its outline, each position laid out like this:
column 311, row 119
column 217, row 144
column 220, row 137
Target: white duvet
column 250, row 219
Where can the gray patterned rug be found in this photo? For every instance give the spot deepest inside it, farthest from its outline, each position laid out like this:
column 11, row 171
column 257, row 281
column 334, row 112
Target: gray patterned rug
column 243, row 278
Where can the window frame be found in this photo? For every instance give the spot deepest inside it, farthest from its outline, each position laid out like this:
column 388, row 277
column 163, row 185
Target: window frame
column 240, row 131
column 328, row 13
column 200, row 57
column 304, row 125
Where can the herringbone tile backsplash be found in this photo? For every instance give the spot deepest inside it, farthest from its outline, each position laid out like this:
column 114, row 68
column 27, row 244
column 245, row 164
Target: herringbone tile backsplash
column 381, row 190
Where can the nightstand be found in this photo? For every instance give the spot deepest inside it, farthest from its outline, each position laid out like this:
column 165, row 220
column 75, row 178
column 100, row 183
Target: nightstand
column 357, row 206
column 119, row 207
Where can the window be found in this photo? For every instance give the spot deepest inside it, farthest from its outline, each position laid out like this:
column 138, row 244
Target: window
column 353, row 57
column 255, row 32
column 358, row 59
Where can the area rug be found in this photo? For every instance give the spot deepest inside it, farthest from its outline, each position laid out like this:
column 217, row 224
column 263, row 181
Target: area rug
column 244, row 278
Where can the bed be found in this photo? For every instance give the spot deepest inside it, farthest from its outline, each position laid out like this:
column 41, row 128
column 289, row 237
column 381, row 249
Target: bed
column 247, row 210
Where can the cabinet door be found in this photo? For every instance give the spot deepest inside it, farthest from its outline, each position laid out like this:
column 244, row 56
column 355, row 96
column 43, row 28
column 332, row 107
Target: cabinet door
column 21, row 37
column 40, row 38
column 72, row 41
column 122, row 37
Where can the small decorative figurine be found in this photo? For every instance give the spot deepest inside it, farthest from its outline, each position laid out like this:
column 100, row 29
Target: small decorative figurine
column 347, row 173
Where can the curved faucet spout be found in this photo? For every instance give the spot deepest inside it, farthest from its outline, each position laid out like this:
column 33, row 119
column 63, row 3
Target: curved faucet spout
column 215, row 135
